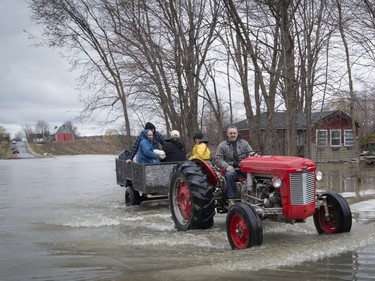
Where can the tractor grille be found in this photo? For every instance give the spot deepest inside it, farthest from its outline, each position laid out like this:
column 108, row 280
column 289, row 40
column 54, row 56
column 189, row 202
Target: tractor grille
column 302, row 188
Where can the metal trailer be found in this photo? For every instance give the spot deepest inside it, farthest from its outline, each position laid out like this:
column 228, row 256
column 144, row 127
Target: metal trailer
column 143, row 181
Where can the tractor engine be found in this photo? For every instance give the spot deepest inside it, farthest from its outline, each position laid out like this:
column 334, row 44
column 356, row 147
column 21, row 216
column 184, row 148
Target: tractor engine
column 270, row 195
column 264, row 193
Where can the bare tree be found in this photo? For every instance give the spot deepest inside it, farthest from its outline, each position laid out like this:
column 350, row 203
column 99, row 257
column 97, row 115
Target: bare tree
column 190, row 26
column 341, row 27
column 3, row 131
column 288, row 41
column 80, row 27
column 182, row 62
column 312, row 39
column 282, row 65
column 364, row 109
column 27, row 130
column 167, row 43
column 42, row 127
column 18, row 136
column 250, row 46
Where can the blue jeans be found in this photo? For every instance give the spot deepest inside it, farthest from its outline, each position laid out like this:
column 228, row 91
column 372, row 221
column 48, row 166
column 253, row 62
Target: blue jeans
column 229, row 179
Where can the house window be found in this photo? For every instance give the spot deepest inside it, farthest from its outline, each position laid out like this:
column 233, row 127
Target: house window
column 321, row 138
column 348, row 138
column 335, row 138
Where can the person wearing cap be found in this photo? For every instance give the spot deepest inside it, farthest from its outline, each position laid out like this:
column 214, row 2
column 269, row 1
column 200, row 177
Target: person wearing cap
column 174, row 148
column 158, row 138
column 200, row 149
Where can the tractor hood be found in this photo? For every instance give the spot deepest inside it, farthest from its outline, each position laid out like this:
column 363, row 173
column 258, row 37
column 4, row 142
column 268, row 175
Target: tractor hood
column 270, row 164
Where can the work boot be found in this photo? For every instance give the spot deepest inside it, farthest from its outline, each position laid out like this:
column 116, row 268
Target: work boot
column 231, row 202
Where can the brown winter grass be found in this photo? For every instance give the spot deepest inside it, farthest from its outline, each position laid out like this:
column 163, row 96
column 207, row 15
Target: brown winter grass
column 79, row 147
column 5, row 150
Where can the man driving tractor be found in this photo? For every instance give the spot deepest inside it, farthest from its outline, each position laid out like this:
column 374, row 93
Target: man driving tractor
column 228, row 156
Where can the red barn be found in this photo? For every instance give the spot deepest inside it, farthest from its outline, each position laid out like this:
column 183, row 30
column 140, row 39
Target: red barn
column 64, row 133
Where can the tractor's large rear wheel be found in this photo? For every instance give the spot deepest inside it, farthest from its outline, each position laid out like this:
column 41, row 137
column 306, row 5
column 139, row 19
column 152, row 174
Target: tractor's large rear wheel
column 339, row 218
column 190, row 197
column 244, row 227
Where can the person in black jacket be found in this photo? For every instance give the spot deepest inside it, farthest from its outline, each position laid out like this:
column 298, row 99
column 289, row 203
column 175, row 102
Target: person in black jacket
column 174, row 148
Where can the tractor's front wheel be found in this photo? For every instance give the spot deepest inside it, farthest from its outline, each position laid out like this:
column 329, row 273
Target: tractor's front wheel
column 190, row 197
column 338, row 219
column 244, row 227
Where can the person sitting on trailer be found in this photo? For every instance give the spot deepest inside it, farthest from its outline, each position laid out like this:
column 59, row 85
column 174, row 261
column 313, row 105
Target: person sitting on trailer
column 146, row 152
column 157, row 139
column 174, row 148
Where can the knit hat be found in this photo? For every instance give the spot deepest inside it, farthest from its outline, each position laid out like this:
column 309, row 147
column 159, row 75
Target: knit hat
column 205, row 139
column 150, row 126
column 198, row 136
column 175, row 134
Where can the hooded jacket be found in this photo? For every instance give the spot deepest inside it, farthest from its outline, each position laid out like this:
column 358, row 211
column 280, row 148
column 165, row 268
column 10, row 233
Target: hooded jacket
column 158, row 138
column 146, row 153
column 200, row 151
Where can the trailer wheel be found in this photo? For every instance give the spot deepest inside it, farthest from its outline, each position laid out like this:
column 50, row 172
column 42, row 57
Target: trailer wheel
column 132, row 197
column 244, row 227
column 190, row 197
column 339, row 219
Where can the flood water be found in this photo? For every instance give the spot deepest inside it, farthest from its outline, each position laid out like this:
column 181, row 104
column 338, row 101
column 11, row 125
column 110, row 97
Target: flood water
column 64, row 218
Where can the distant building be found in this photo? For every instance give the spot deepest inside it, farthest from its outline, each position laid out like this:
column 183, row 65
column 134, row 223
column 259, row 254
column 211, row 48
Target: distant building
column 63, row 133
column 332, row 137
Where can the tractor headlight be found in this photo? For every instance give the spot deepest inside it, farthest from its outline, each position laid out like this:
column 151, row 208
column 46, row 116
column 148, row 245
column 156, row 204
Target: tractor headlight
column 319, row 175
column 276, row 182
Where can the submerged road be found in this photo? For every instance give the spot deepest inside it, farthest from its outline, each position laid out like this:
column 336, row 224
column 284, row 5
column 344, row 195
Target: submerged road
column 64, row 218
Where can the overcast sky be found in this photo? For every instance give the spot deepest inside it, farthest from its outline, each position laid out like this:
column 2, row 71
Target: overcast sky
column 35, row 83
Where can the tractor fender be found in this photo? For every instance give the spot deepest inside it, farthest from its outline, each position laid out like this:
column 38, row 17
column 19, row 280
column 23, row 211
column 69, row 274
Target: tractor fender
column 208, row 170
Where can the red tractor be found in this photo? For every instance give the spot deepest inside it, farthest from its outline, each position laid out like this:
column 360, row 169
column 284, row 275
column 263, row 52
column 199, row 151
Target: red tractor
column 279, row 188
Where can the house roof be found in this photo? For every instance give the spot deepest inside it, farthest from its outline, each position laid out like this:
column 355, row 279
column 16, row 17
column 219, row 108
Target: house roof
column 280, row 119
column 54, row 132
column 60, row 129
